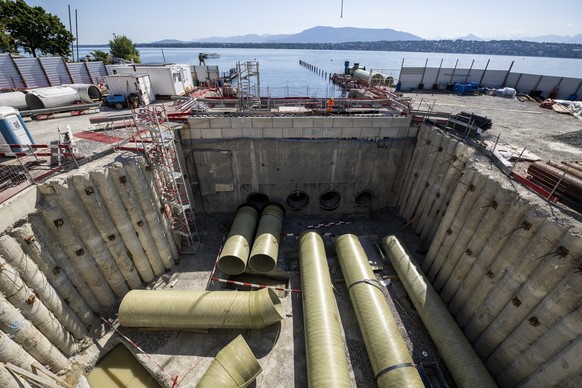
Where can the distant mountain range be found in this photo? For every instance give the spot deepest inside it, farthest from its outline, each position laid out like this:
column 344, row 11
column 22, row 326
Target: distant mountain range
column 319, row 34
column 323, row 34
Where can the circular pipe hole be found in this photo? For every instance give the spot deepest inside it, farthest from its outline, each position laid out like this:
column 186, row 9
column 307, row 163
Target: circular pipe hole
column 365, row 198
column 298, row 200
column 258, row 200
column 330, row 200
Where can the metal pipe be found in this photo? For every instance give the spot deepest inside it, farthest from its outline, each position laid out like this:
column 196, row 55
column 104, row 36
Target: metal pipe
column 392, row 363
column 236, row 250
column 567, row 168
column 234, row 366
column 263, row 258
column 565, row 183
column 327, row 365
column 173, row 309
column 462, row 361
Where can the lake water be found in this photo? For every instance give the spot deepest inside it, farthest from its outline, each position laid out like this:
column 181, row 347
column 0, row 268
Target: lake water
column 282, row 76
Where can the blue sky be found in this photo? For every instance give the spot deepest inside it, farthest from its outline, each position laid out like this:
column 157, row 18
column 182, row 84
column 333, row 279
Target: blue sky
column 152, row 20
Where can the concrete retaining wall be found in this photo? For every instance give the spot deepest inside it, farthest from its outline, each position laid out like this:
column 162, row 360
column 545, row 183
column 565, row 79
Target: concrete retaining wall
column 77, row 248
column 229, row 158
column 503, row 261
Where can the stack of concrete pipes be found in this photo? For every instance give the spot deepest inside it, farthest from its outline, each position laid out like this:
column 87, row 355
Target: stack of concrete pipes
column 262, row 255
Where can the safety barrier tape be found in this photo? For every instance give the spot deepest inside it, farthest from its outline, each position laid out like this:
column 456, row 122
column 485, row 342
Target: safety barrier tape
column 253, row 285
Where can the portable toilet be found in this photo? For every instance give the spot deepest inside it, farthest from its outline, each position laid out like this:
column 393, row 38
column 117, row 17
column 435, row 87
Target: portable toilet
column 13, row 128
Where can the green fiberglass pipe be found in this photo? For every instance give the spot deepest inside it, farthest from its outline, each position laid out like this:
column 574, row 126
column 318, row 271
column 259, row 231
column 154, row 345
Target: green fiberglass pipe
column 234, row 366
column 174, row 309
column 462, row 361
column 327, row 365
column 235, row 253
column 391, row 361
column 266, row 246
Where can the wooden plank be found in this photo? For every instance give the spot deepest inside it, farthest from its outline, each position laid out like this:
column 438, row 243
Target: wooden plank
column 31, row 376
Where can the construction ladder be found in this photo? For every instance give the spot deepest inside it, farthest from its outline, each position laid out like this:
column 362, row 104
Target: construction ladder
column 249, row 85
column 165, row 157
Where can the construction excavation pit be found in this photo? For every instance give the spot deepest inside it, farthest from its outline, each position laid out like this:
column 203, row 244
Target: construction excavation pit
column 289, row 252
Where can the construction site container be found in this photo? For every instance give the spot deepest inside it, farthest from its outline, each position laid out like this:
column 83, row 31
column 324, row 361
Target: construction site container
column 166, row 80
column 124, row 85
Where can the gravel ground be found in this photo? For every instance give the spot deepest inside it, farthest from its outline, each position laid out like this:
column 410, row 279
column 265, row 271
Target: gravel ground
column 549, row 135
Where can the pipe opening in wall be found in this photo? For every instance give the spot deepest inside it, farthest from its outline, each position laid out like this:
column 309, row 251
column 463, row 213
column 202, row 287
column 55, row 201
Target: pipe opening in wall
column 258, row 200
column 298, row 200
column 330, row 200
column 365, row 198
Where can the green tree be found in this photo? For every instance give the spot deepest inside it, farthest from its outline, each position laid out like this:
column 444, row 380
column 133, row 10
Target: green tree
column 102, row 56
column 122, row 47
column 7, row 44
column 35, row 30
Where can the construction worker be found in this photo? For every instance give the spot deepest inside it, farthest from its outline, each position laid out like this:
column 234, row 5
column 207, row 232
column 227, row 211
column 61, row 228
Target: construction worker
column 330, row 103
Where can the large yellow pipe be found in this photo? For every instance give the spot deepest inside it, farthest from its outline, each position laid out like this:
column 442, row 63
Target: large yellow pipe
column 235, row 253
column 462, row 361
column 234, row 366
column 327, row 365
column 392, row 363
column 266, row 246
column 174, row 309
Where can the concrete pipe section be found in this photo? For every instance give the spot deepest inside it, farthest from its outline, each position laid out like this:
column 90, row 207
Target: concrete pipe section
column 89, row 93
column 391, row 361
column 16, row 100
column 265, row 250
column 462, row 361
column 327, row 365
column 201, row 309
column 235, row 253
column 54, row 97
column 234, row 366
